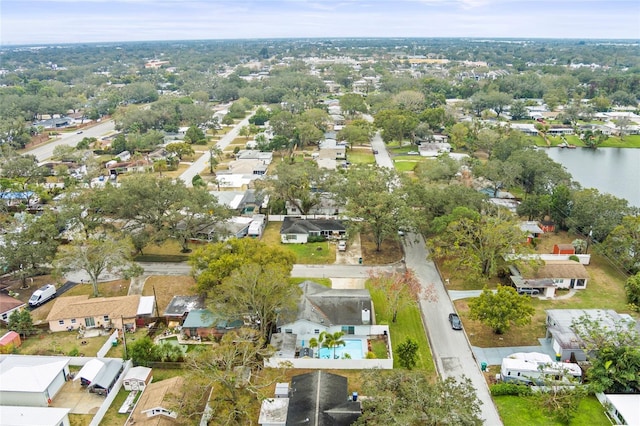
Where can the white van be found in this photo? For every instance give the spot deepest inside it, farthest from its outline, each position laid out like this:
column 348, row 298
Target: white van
column 42, row 295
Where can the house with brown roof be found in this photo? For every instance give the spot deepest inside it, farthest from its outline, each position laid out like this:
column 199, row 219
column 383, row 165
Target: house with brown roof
column 9, row 304
column 73, row 312
column 154, row 406
column 554, row 274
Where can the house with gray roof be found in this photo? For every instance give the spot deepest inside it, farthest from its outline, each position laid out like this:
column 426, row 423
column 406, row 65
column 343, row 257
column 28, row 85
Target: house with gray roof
column 321, row 399
column 295, row 230
column 180, row 306
column 561, row 330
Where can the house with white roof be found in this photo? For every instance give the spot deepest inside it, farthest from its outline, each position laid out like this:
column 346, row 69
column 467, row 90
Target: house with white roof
column 621, row 409
column 31, row 381
column 34, row 416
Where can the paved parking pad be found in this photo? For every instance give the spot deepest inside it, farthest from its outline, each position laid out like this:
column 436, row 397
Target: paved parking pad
column 78, row 399
column 494, row 356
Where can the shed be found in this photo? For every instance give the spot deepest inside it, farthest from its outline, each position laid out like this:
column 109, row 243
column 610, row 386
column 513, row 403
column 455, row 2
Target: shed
column 34, row 416
column 10, row 339
column 31, row 380
column 137, row 378
column 564, row 249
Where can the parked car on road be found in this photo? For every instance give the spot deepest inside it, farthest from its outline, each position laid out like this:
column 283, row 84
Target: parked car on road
column 454, row 319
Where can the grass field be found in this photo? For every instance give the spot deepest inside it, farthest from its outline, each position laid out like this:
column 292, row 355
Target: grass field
column 361, row 156
column 165, row 287
column 405, row 165
column 408, row 324
column 517, row 411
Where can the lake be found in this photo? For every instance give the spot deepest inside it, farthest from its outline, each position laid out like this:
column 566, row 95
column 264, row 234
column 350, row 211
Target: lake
column 612, row 170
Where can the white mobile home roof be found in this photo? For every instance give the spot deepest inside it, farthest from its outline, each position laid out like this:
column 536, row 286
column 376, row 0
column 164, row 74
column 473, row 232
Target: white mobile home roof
column 32, row 416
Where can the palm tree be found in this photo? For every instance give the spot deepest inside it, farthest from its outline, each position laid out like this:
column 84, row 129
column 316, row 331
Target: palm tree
column 332, row 340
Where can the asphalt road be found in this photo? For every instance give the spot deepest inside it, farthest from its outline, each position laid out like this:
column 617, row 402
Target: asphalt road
column 203, row 162
column 450, row 348
column 45, row 152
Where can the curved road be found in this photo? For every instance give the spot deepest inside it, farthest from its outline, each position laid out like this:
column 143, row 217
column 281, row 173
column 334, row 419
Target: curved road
column 45, row 151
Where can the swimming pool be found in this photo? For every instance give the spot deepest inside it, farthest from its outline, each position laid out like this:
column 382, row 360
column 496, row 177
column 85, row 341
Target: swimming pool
column 353, row 347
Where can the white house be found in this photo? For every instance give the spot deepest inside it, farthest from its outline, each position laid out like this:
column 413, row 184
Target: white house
column 325, row 310
column 32, row 381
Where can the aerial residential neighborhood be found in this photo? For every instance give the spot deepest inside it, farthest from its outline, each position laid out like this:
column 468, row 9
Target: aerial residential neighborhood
column 324, row 232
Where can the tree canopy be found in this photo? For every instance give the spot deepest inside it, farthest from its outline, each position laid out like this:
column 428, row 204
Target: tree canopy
column 214, row 262
column 411, row 398
column 501, row 309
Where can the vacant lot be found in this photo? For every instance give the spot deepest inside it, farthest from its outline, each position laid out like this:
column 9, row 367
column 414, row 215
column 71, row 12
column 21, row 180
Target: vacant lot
column 165, row 287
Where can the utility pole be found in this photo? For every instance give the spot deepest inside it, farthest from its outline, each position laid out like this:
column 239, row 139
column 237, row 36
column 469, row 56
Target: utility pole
column 124, row 338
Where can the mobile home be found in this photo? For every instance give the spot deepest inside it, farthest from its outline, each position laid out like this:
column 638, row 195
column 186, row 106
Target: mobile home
column 537, row 370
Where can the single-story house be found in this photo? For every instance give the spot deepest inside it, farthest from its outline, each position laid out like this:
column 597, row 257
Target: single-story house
column 9, row 304
column 203, row 323
column 244, row 203
column 34, row 416
column 552, row 275
column 73, row 312
column 326, row 309
column 321, row 399
column 298, row 230
column 137, row 378
column 33, row 381
column 10, row 339
column 559, row 131
column 561, row 332
column 622, row 409
column 180, row 306
column 152, row 409
column 99, row 375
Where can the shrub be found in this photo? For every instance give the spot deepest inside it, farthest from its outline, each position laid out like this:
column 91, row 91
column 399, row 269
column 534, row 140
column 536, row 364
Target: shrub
column 370, row 355
column 574, row 258
column 316, row 239
column 73, row 352
column 500, row 389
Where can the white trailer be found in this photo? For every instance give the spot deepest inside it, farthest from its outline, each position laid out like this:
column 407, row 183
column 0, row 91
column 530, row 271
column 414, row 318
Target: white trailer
column 537, row 369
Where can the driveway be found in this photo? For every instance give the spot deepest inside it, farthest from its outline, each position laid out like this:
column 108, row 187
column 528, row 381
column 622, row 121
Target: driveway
column 493, row 356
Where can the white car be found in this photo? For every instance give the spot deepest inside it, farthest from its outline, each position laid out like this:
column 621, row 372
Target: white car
column 342, row 245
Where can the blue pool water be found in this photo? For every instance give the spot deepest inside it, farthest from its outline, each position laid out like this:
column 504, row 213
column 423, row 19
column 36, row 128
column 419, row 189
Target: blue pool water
column 352, row 347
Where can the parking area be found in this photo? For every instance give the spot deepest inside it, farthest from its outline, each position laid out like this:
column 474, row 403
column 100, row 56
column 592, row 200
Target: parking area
column 352, row 254
column 77, row 399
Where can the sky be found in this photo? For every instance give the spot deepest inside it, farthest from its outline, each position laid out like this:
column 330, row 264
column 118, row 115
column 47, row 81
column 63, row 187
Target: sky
column 74, row 21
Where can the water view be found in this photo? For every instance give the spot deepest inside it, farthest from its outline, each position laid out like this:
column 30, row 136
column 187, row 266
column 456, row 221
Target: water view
column 612, row 170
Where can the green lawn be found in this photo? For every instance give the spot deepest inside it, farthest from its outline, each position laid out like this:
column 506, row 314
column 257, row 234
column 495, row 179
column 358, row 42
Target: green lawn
column 517, row 411
column 360, row 157
column 408, row 324
column 311, row 253
column 403, row 164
